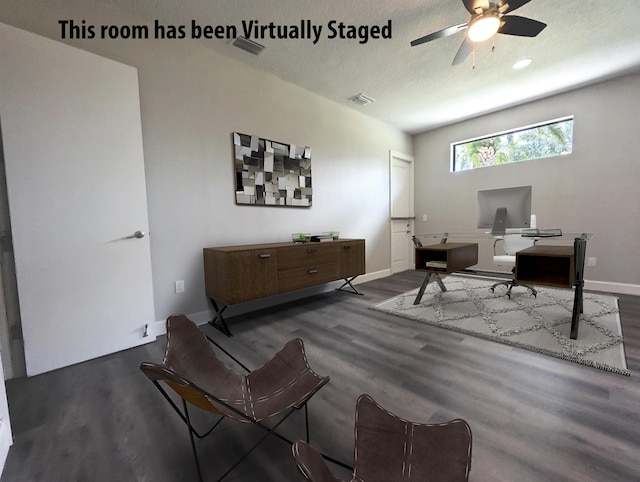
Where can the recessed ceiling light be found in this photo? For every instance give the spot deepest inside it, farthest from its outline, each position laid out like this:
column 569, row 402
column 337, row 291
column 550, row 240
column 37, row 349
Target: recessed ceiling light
column 522, row 63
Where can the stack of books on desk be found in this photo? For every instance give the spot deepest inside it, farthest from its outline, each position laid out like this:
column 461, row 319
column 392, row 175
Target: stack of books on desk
column 436, row 264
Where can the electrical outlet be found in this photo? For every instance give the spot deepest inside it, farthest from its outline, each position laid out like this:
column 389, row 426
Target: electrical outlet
column 424, row 217
column 180, row 286
column 591, row 261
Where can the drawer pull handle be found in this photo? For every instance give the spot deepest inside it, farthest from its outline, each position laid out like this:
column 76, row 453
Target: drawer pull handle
column 346, row 246
column 312, row 271
column 265, row 255
column 312, row 250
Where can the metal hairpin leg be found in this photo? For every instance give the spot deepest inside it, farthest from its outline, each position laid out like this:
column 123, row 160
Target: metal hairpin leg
column 184, row 415
column 425, row 282
column 579, row 249
column 347, row 282
column 218, row 321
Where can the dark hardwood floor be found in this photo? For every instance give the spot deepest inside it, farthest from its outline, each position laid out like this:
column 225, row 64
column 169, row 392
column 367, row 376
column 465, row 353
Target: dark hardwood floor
column 534, row 418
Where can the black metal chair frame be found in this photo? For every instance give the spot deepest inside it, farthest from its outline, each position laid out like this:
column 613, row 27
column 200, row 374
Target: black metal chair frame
column 163, row 373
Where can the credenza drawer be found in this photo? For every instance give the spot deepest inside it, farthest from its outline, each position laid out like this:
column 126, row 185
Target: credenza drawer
column 239, row 276
column 352, row 258
column 305, row 255
column 311, row 275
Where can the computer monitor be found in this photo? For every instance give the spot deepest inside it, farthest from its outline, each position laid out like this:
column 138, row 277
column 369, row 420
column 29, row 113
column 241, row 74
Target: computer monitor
column 500, row 209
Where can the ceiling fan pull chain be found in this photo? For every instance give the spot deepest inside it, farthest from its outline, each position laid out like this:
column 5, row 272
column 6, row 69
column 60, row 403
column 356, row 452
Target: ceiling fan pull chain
column 473, row 56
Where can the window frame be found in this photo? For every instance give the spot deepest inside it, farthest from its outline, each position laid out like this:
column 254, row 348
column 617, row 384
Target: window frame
column 452, row 158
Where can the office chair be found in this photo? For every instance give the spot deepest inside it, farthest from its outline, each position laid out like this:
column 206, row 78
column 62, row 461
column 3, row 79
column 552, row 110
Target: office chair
column 391, row 449
column 192, row 369
column 512, row 242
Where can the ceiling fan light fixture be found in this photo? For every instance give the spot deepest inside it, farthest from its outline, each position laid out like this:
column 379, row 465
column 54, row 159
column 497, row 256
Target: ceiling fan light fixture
column 483, row 27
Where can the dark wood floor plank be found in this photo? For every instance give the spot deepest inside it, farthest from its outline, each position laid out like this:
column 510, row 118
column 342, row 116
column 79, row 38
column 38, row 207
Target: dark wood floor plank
column 534, row 418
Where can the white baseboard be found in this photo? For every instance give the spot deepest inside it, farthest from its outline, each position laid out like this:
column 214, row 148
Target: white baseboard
column 159, row 327
column 372, row 276
column 603, row 286
column 613, row 287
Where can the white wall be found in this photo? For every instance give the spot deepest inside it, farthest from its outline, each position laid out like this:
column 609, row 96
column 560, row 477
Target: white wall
column 192, row 99
column 595, row 189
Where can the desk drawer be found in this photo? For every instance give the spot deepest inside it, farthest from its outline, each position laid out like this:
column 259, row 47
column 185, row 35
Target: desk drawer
column 446, row 257
column 546, row 265
column 312, row 275
column 309, row 254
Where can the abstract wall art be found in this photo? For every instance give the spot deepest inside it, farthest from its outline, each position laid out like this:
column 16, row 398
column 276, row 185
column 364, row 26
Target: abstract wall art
column 271, row 173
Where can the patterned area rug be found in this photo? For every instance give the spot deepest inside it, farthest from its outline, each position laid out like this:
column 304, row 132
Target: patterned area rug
column 539, row 324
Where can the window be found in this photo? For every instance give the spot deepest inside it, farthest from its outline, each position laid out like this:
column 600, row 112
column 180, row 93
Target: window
column 551, row 138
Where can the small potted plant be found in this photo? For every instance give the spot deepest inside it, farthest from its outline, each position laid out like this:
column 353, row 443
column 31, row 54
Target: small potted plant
column 300, row 237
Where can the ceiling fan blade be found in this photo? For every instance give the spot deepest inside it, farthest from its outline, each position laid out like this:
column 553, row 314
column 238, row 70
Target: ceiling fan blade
column 472, row 5
column 463, row 52
column 521, row 26
column 445, row 32
column 512, row 4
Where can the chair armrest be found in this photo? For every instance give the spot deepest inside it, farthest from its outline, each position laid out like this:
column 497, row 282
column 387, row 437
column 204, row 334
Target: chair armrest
column 311, row 463
column 495, row 243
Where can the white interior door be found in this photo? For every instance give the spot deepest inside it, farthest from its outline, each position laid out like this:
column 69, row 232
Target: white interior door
column 402, row 214
column 72, row 139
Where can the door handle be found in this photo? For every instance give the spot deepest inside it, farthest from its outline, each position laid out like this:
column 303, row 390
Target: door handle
column 137, row 235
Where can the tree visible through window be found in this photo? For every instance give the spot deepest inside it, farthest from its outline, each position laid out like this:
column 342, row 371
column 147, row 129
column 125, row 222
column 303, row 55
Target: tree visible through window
column 553, row 138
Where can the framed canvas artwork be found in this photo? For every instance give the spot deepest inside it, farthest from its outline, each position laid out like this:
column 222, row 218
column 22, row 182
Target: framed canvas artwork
column 271, row 173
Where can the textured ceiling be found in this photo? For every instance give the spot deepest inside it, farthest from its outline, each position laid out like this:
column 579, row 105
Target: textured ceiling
column 416, row 88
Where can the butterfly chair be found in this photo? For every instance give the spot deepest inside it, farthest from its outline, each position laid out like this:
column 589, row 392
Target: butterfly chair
column 389, row 449
column 192, row 369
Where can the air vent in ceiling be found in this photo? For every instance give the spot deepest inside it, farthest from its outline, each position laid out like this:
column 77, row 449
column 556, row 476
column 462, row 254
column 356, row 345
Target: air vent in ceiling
column 248, row 45
column 362, row 99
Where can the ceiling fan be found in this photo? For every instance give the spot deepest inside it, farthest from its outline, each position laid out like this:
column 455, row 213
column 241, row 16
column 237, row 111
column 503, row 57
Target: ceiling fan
column 487, row 19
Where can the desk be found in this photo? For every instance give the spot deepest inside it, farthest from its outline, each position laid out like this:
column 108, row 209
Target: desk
column 559, row 266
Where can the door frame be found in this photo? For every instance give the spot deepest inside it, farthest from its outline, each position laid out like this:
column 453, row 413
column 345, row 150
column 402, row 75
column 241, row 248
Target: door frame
column 410, row 160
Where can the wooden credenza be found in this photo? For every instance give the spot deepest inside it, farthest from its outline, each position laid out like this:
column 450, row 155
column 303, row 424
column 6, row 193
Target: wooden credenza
column 237, row 274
